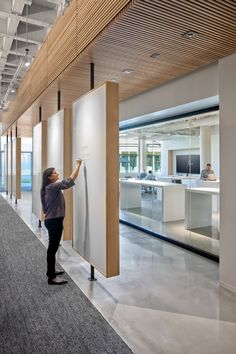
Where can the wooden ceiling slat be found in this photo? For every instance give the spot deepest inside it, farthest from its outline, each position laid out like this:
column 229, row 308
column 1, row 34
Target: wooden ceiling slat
column 177, row 17
column 225, row 8
column 127, row 41
column 160, row 40
column 71, row 34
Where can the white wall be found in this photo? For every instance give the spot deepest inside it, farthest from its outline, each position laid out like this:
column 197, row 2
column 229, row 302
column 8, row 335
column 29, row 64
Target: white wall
column 180, row 146
column 227, row 79
column 198, row 85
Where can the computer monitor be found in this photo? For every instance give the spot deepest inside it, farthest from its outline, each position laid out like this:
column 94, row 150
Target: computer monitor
column 188, row 164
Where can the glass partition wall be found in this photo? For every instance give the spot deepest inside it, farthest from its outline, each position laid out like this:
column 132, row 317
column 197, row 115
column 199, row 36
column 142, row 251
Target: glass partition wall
column 166, row 186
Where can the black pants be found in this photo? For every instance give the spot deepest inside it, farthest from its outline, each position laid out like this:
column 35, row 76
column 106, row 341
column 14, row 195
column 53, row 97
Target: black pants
column 55, row 228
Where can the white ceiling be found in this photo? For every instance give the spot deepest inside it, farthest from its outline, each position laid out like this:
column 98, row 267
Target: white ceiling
column 24, row 24
column 161, row 131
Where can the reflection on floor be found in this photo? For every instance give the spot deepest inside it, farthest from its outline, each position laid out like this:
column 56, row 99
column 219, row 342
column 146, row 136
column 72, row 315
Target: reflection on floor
column 209, row 231
column 166, row 300
column 149, row 217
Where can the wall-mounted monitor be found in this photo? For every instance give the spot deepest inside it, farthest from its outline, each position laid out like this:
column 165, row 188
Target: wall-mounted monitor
column 188, row 164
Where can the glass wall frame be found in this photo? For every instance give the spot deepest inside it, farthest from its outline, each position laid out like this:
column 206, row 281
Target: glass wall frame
column 177, row 205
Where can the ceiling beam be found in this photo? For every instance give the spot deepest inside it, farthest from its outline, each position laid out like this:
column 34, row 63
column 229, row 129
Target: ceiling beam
column 5, row 14
column 11, row 64
column 22, row 39
column 56, row 2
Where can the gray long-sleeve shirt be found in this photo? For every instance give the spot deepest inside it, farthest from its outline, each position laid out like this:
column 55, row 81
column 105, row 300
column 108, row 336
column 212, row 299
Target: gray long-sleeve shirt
column 52, row 198
column 205, row 173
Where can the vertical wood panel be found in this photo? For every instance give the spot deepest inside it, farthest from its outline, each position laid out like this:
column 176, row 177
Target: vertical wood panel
column 112, row 180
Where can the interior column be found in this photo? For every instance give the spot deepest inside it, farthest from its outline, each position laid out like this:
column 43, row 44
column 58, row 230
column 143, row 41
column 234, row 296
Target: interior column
column 142, row 154
column 227, row 89
column 205, row 146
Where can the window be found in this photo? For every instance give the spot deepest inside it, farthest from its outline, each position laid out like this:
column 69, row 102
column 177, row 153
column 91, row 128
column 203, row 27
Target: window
column 128, row 158
column 26, row 171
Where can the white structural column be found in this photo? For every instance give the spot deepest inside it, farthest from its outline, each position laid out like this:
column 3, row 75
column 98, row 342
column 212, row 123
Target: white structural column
column 142, row 154
column 164, row 159
column 227, row 92
column 205, row 146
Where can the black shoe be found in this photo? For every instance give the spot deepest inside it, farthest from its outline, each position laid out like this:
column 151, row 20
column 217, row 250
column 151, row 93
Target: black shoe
column 59, row 272
column 57, row 281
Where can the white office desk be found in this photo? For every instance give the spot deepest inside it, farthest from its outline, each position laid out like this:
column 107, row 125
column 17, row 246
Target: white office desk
column 198, row 206
column 172, row 197
column 208, row 184
column 189, row 181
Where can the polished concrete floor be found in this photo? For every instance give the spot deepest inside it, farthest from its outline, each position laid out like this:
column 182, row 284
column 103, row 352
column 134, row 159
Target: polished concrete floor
column 165, row 301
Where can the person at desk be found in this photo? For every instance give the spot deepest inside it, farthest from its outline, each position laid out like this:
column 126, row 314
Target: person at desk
column 150, row 176
column 205, row 174
column 143, row 175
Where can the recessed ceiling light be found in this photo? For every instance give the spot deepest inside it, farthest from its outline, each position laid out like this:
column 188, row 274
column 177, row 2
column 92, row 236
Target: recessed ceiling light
column 155, row 55
column 190, row 34
column 128, row 71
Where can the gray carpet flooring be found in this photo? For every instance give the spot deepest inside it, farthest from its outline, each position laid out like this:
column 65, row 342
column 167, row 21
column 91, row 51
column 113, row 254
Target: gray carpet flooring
column 38, row 318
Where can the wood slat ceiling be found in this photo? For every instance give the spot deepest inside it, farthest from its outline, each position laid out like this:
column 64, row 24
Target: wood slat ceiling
column 140, row 29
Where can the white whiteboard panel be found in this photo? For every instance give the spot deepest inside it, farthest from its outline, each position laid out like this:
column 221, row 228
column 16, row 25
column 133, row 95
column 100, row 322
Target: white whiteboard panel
column 6, row 167
column 89, row 199
column 16, row 168
column 9, row 168
column 37, row 169
column 55, row 142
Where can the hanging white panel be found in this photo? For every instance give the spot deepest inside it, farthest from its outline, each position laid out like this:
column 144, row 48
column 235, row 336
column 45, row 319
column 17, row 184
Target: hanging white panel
column 39, row 164
column 9, row 168
column 94, row 235
column 55, row 142
column 16, row 168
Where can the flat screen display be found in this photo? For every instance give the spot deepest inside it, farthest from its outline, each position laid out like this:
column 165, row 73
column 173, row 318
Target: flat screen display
column 188, row 164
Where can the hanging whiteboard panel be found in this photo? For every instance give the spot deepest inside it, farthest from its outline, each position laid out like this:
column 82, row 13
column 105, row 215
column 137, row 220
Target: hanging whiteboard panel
column 6, row 167
column 9, row 168
column 59, row 156
column 55, row 142
column 16, row 168
column 95, row 207
column 39, row 164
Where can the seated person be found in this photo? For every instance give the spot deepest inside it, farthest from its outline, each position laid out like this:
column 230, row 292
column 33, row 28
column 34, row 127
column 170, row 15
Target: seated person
column 208, row 174
column 143, row 175
column 150, row 176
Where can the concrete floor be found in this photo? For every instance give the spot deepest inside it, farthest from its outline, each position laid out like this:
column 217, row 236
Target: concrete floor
column 166, row 300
